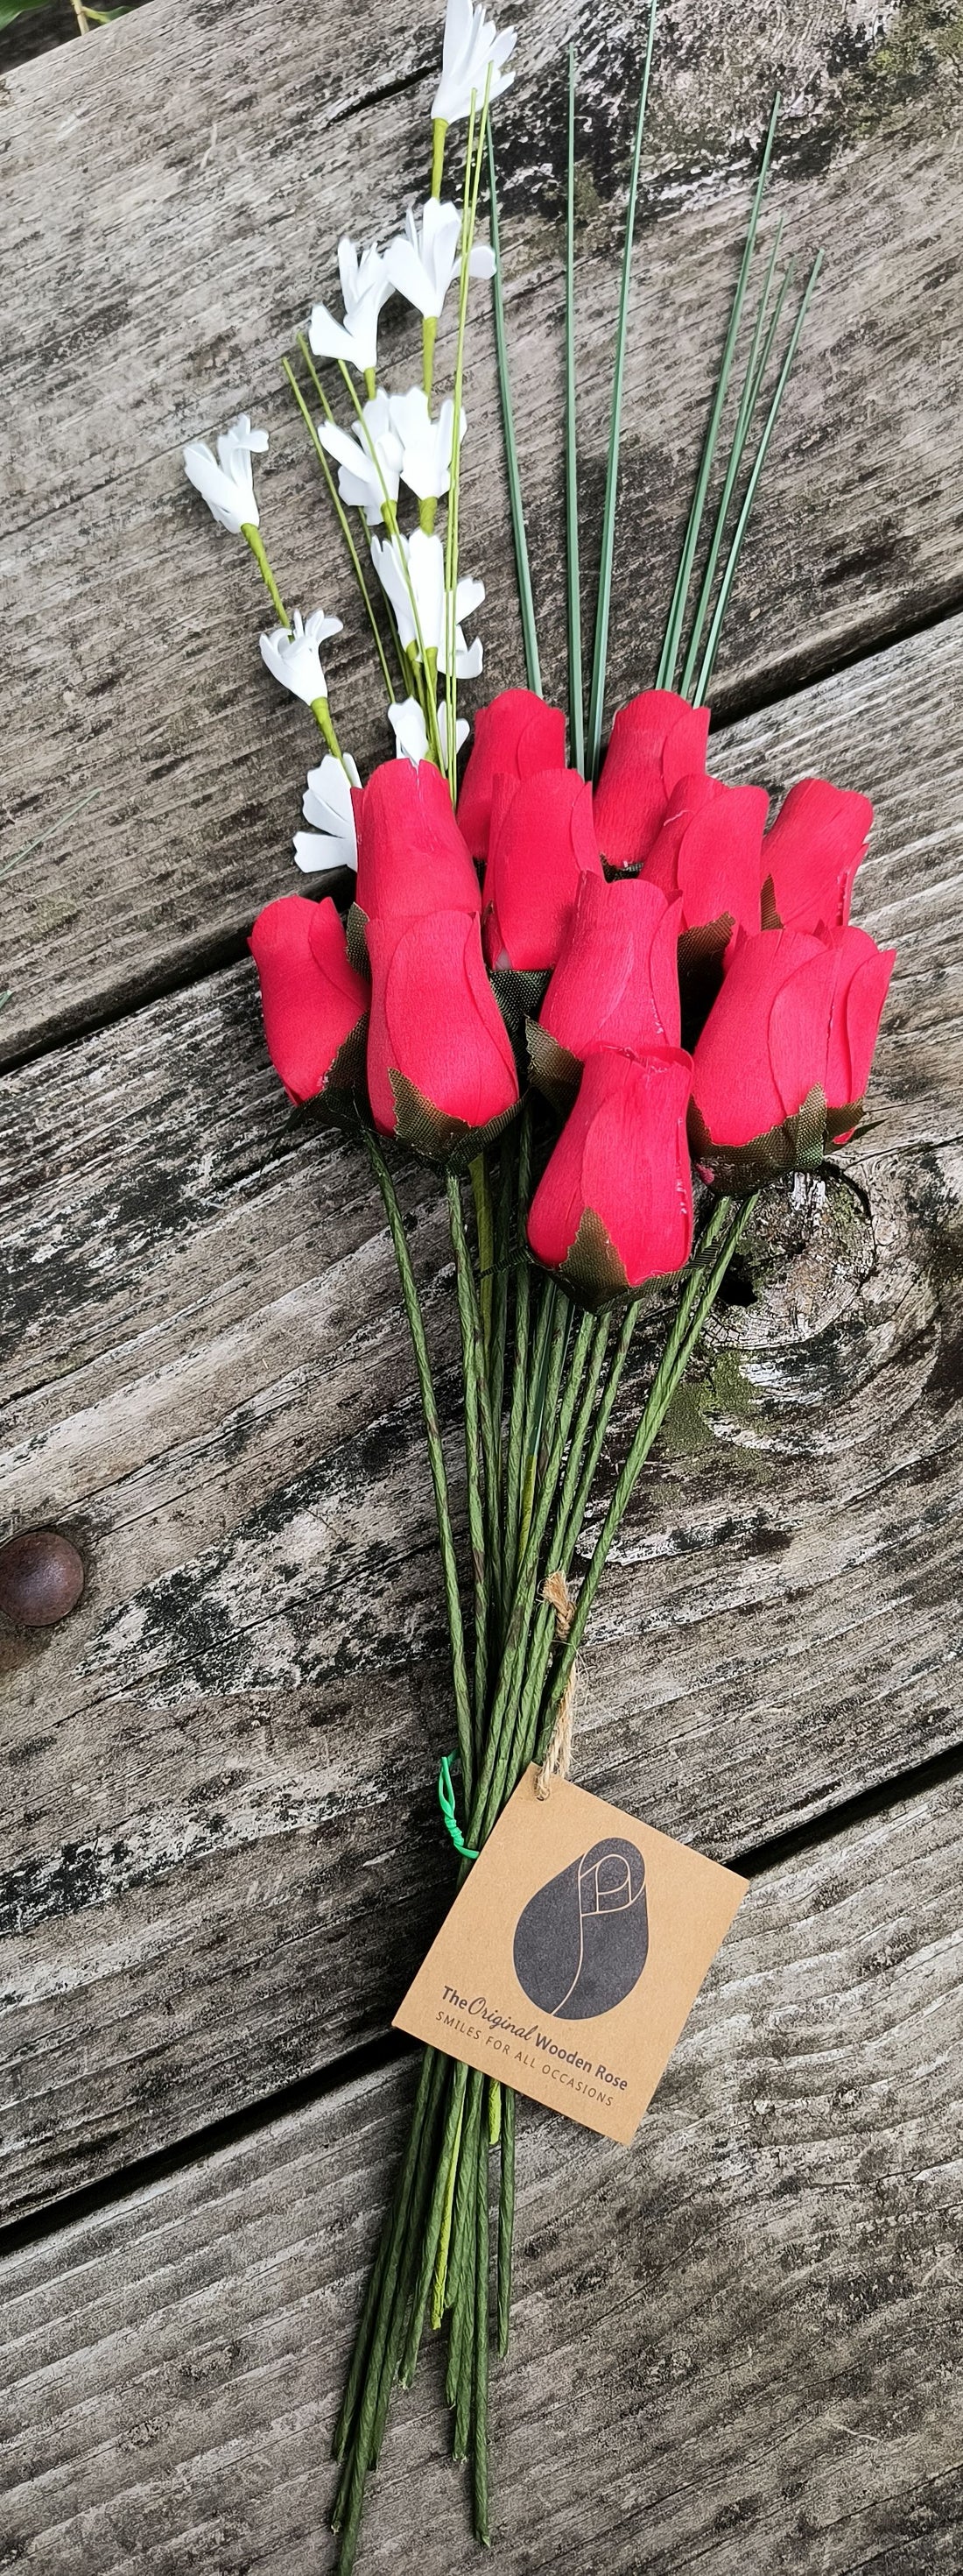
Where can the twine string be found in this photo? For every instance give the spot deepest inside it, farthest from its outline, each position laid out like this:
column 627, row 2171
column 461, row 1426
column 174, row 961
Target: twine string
column 558, row 1755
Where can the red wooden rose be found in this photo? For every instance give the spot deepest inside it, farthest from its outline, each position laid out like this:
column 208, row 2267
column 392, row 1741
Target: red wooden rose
column 314, row 1004
column 784, row 1059
column 441, row 1070
column 812, row 852
column 656, row 740
column 515, row 736
column 614, row 1204
column 708, row 854
column 542, row 843
column 411, row 855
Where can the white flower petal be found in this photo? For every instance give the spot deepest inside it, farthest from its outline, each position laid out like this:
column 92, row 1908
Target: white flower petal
column 314, row 851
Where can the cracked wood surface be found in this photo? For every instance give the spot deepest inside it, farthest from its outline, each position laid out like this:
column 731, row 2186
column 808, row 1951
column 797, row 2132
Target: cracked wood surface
column 220, row 1772
column 735, row 2345
column 153, row 292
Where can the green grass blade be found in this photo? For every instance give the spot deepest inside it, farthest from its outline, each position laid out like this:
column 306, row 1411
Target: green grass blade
column 573, row 585
column 665, row 677
column 526, row 602
column 742, row 522
column 756, row 365
column 603, row 604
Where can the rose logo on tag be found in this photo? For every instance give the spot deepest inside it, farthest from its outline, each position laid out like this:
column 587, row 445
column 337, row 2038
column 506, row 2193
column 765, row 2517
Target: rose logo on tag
column 582, row 1940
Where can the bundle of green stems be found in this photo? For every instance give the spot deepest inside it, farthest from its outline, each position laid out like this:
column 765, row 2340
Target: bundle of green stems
column 541, row 1380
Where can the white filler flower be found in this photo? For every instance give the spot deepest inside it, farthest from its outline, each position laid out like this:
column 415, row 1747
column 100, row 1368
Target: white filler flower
column 226, row 481
column 369, row 459
column 422, row 260
column 416, row 565
column 291, row 654
column 425, row 443
column 365, row 288
column 411, row 733
column 327, row 805
column 471, row 43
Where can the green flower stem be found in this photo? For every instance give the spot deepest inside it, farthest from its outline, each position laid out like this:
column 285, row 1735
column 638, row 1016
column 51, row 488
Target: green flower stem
column 254, row 539
column 600, row 652
column 477, row 1519
column 480, row 1178
column 500, row 1285
column 546, row 1379
column 342, row 519
column 506, row 2218
column 752, row 386
column 523, row 570
column 742, row 522
column 429, row 334
column 479, row 2442
column 520, row 1367
column 665, row 678
column 434, row 2221
column 439, row 2295
column 306, row 353
column 570, row 1519
column 375, row 2390
column 479, row 1365
column 573, row 587
column 449, row 1564
column 464, row 2238
column 512, row 1663
column 473, row 168
column 439, row 129
column 729, row 1220
column 325, row 723
column 432, row 2071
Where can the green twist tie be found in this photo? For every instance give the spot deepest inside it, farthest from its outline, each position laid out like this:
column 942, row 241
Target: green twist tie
column 446, row 1801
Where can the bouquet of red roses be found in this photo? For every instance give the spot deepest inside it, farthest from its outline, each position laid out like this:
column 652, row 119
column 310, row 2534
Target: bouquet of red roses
column 605, row 995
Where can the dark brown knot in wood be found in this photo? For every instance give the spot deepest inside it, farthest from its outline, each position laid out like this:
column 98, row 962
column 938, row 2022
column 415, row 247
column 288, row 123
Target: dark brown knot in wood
column 41, row 1578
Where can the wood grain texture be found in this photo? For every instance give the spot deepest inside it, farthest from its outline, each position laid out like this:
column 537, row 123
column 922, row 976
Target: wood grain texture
column 216, row 1765
column 154, row 288
column 736, row 2345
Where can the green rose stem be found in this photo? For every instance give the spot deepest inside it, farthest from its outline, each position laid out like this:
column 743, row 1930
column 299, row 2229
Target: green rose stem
column 473, row 1454
column 436, row 1459
column 506, row 2218
column 523, row 572
column 523, row 1281
column 473, row 169
column 473, row 1349
column 254, row 539
column 480, row 1178
column 729, row 1219
column 665, row 677
column 341, row 516
column 603, row 602
column 573, row 589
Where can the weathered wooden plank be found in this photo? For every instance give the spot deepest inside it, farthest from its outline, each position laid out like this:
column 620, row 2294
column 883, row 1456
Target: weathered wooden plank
column 152, row 291
column 218, row 1775
column 736, row 2345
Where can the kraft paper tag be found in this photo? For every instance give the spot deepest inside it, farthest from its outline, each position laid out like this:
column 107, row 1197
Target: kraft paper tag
column 572, row 1956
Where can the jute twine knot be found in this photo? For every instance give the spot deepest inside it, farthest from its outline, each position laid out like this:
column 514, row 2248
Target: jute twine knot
column 559, row 1752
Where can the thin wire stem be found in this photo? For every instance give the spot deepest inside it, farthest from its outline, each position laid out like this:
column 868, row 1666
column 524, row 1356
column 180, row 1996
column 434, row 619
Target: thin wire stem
column 436, row 1458
column 523, row 570
column 573, row 587
column 665, row 678
column 695, row 1304
column 600, row 654
column 745, row 513
column 752, row 387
